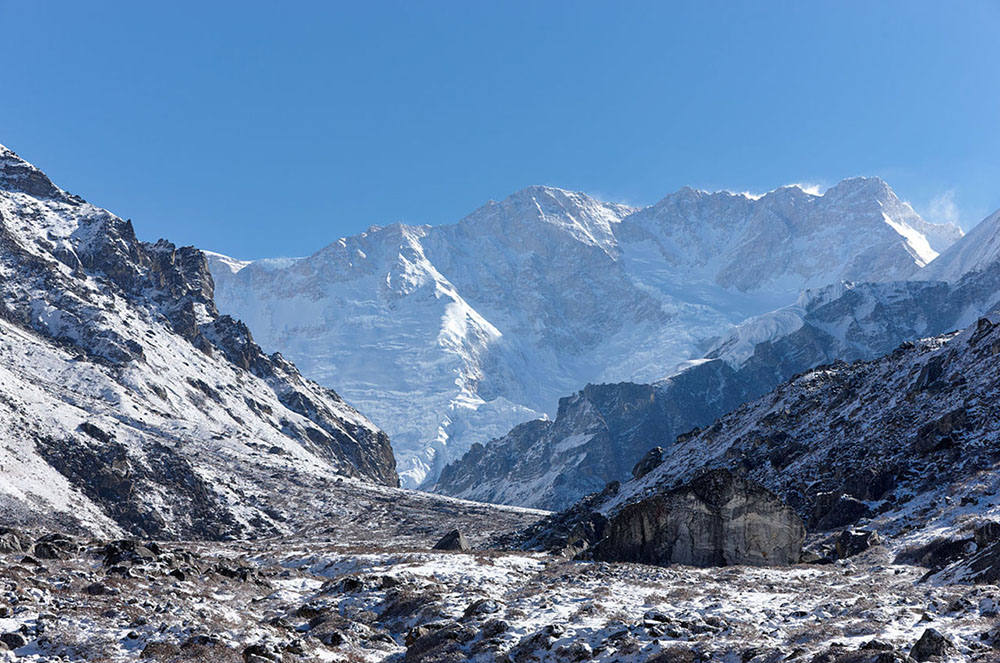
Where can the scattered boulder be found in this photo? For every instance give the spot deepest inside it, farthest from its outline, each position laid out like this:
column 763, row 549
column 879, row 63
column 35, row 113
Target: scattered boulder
column 55, row 546
column 129, row 552
column 13, row 640
column 99, row 589
column 931, row 645
column 676, row 654
column 836, row 510
column 453, row 540
column 717, row 519
column 260, row 653
column 482, row 607
column 576, row 651
column 874, row 651
column 533, row 646
column 852, row 542
column 494, row 627
column 438, row 644
column 649, row 462
column 12, row 540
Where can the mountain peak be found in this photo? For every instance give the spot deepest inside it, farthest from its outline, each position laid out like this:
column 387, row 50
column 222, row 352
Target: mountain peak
column 869, row 187
column 19, row 176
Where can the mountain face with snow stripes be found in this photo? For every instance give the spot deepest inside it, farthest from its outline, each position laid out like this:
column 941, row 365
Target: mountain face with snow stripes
column 128, row 404
column 450, row 335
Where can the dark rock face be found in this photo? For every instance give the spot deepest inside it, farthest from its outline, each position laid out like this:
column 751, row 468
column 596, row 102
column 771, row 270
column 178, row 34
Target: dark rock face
column 453, row 540
column 12, row 540
column 18, row 175
column 716, row 520
column 850, row 427
column 974, row 559
column 109, row 476
column 613, row 425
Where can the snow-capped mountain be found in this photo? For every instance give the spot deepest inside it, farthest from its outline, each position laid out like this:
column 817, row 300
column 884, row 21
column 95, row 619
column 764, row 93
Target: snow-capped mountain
column 127, row 403
column 450, row 335
column 602, row 431
column 980, row 249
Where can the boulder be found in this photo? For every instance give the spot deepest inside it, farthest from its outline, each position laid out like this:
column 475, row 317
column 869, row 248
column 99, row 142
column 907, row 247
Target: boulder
column 55, row 546
column 852, row 542
column 931, row 646
column 717, row 519
column 649, row 462
column 833, row 511
column 444, row 643
column 453, row 540
column 482, row 607
column 13, row 640
column 12, row 540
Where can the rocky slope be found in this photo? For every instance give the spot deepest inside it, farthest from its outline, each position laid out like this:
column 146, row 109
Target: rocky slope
column 127, row 403
column 602, row 431
column 906, row 446
column 450, row 335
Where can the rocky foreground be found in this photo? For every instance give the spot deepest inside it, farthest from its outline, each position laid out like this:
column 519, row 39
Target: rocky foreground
column 296, row 600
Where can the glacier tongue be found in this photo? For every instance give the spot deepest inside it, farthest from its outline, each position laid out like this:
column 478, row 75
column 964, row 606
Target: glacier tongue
column 450, row 335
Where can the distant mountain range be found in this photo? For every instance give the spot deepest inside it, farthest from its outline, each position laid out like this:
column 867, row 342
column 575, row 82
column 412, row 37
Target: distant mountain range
column 449, row 336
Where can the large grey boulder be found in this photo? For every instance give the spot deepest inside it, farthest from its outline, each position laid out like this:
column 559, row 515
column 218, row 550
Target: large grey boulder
column 453, row 540
column 717, row 519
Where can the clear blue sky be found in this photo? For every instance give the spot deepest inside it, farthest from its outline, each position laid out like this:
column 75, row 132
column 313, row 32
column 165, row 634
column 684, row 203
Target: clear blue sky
column 272, row 128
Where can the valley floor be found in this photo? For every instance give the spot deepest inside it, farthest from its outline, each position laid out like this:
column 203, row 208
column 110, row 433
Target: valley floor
column 291, row 600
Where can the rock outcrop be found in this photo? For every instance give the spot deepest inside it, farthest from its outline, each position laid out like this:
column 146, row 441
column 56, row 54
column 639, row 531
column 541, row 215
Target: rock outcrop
column 718, row 519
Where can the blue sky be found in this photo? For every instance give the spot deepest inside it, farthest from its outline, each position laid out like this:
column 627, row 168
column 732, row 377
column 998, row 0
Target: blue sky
column 265, row 128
